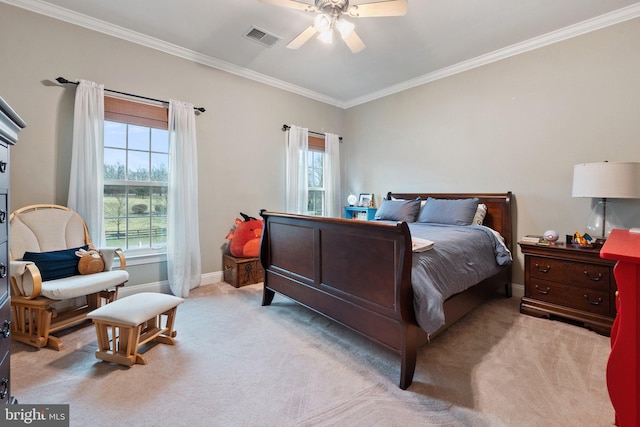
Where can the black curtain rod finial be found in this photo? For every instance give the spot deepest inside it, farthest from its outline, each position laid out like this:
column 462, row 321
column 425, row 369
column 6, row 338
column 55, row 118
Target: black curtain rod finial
column 62, row 80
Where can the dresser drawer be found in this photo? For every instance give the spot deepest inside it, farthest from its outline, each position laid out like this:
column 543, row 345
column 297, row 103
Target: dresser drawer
column 584, row 299
column 4, row 167
column 5, row 316
column 4, row 216
column 4, row 378
column 4, row 274
column 577, row 273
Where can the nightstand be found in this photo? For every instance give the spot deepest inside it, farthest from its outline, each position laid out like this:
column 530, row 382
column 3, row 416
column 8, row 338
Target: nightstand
column 571, row 283
column 359, row 212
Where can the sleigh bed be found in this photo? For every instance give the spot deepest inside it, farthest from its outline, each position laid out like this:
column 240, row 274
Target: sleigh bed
column 359, row 273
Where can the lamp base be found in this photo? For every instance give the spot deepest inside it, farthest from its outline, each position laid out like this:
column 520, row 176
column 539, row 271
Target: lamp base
column 602, row 220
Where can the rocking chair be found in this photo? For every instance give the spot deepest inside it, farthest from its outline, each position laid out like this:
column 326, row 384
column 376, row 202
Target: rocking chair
column 42, row 302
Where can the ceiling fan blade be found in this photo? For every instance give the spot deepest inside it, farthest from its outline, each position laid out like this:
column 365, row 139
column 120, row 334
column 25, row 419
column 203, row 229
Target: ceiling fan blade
column 354, row 42
column 379, row 9
column 302, row 38
column 292, row 4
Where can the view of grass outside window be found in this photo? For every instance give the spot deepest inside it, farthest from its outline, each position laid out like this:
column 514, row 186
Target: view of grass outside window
column 136, row 161
column 315, row 176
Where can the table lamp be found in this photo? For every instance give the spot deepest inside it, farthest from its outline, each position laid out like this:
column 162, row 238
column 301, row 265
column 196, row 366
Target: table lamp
column 605, row 180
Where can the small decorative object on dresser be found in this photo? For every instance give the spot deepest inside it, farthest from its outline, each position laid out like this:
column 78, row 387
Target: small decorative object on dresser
column 568, row 282
column 551, row 236
column 365, row 200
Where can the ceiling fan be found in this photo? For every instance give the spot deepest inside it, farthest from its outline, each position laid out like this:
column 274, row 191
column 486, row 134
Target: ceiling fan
column 330, row 18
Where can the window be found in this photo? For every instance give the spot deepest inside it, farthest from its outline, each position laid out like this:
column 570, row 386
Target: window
column 315, row 176
column 136, row 163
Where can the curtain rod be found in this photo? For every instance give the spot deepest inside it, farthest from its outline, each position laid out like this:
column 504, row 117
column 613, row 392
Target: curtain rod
column 62, row 80
column 287, row 127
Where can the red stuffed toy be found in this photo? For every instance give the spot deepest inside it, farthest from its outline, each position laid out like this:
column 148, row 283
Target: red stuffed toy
column 245, row 239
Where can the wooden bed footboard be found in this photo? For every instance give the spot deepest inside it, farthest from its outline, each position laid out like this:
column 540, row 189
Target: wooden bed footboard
column 357, row 273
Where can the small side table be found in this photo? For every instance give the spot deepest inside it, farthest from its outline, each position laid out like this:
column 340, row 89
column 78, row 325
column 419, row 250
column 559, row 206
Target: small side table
column 623, row 367
column 359, row 212
column 571, row 283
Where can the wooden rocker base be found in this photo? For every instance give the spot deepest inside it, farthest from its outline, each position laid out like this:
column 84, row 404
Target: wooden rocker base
column 120, row 334
column 35, row 319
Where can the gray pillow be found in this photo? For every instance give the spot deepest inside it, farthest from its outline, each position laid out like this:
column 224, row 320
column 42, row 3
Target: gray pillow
column 398, row 210
column 449, row 211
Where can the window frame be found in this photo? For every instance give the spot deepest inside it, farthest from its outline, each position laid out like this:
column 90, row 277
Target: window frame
column 140, row 114
column 317, row 144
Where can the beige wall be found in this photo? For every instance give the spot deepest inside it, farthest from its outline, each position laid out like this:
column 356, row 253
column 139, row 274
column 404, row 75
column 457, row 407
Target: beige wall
column 240, row 144
column 519, row 124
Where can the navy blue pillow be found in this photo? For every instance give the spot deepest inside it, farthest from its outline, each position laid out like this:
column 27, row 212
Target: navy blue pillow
column 55, row 264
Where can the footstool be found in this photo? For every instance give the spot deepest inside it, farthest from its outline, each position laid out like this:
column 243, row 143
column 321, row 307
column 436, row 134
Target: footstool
column 125, row 324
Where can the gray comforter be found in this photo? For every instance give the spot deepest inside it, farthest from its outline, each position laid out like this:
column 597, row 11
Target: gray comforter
column 461, row 257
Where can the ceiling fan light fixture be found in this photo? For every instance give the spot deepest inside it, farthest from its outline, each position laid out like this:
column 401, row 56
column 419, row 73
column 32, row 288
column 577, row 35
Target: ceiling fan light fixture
column 345, row 28
column 326, row 36
column 322, row 23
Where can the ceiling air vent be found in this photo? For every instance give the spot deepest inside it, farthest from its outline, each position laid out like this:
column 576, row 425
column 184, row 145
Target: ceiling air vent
column 261, row 36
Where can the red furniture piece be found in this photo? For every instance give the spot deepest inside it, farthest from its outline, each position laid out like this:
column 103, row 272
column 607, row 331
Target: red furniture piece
column 623, row 374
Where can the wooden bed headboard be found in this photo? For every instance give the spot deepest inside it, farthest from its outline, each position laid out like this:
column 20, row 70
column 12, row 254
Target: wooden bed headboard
column 498, row 208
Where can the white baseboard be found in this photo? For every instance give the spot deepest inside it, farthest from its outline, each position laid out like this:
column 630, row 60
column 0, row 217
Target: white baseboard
column 163, row 286
column 517, row 290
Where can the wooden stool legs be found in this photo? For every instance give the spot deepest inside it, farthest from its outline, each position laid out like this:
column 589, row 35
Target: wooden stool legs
column 119, row 343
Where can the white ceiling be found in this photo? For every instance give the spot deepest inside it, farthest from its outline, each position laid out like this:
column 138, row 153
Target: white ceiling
column 435, row 39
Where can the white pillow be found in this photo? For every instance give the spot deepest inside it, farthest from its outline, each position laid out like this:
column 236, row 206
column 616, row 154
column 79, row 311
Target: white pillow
column 481, row 212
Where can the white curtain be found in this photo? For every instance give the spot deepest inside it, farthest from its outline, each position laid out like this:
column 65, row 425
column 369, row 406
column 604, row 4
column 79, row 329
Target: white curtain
column 296, row 182
column 87, row 164
column 183, row 242
column 332, row 175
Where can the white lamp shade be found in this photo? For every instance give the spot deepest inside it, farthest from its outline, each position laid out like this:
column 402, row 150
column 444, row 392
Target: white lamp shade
column 615, row 180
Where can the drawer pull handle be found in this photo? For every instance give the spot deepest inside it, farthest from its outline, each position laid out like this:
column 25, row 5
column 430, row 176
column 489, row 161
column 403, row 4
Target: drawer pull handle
column 3, row 216
column 592, row 302
column 544, row 292
column 5, row 388
column 595, row 279
column 543, row 270
column 3, row 270
column 6, row 329
column 3, row 166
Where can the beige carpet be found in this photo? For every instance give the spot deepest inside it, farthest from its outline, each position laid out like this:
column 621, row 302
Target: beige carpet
column 239, row 364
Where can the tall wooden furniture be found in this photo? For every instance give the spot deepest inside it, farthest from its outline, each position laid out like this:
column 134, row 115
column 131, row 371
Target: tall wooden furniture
column 10, row 125
column 571, row 283
column 623, row 372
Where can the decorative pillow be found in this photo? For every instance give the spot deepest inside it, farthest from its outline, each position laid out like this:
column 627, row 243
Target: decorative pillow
column 55, row 264
column 398, row 210
column 481, row 212
column 449, row 211
column 90, row 262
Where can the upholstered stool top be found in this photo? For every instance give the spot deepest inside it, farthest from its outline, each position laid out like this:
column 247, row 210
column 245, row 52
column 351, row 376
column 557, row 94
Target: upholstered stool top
column 135, row 309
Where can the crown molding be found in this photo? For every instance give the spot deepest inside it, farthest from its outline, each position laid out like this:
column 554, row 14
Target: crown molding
column 90, row 23
column 584, row 27
column 603, row 21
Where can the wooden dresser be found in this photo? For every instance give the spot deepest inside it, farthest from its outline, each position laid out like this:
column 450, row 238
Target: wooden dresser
column 570, row 283
column 10, row 125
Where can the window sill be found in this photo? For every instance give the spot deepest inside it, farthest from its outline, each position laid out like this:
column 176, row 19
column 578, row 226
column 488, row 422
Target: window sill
column 146, row 257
